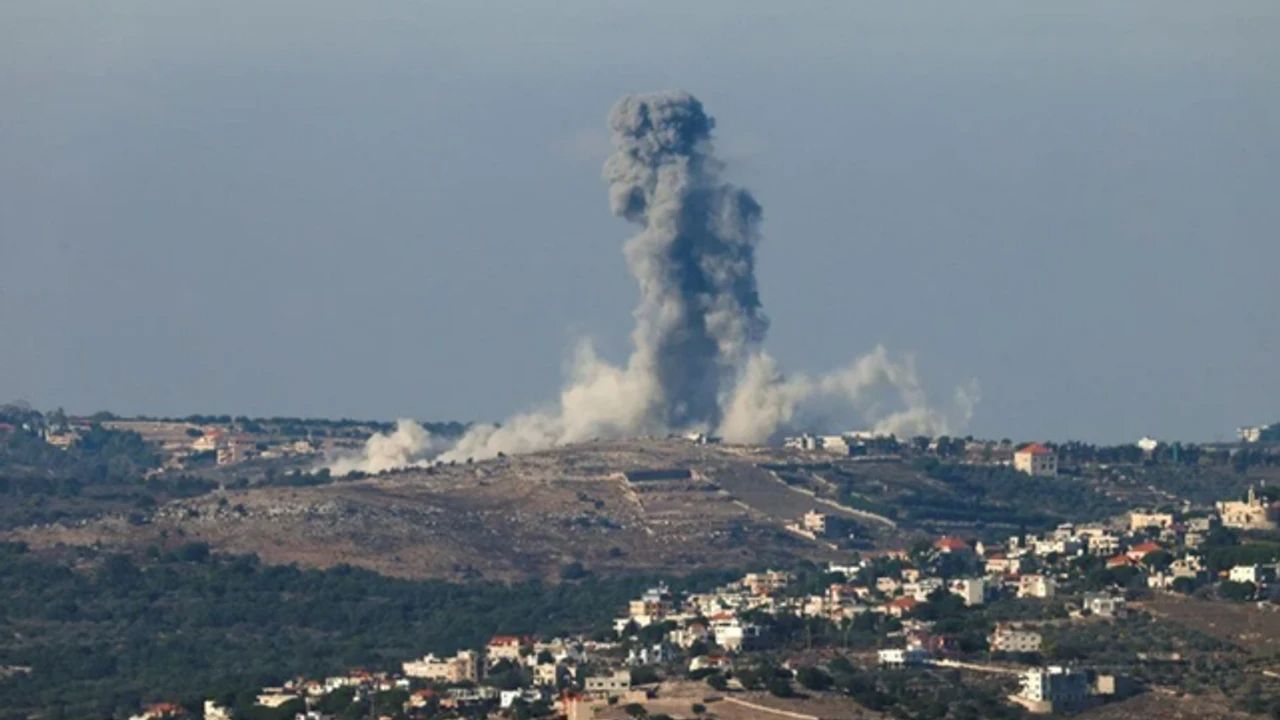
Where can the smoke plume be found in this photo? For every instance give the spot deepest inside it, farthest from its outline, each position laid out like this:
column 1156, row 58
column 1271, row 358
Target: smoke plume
column 696, row 362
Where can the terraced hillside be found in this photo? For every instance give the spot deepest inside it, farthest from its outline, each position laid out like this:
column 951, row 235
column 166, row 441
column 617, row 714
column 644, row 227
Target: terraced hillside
column 598, row 505
column 534, row 514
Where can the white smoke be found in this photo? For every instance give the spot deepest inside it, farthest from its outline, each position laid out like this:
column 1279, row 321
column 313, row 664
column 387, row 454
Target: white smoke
column 874, row 390
column 409, row 445
column 696, row 362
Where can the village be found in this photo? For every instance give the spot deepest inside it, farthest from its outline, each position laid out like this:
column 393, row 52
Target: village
column 778, row 634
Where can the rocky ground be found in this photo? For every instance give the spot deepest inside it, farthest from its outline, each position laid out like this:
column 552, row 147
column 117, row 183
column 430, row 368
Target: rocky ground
column 523, row 516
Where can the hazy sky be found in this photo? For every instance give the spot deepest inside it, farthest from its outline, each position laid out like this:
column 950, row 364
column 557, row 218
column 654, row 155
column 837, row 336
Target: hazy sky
column 380, row 209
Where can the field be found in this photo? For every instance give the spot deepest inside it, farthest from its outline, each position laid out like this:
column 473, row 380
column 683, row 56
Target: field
column 1254, row 629
column 531, row 515
column 1167, row 706
column 562, row 510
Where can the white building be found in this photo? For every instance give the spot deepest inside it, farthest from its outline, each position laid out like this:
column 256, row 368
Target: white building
column 1102, row 544
column 1036, row 460
column 836, row 445
column 1139, row 520
column 901, row 657
column 214, row 711
column 802, row 442
column 733, row 635
column 1258, row 433
column 275, row 697
column 1066, row 546
column 1003, row 565
column 1052, row 689
column 1036, row 586
column 924, row 587
column 1104, row 604
column 1256, row 574
column 1254, row 513
column 972, row 590
column 463, row 667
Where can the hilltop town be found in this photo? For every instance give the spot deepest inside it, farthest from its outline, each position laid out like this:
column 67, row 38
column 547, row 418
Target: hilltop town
column 844, row 576
column 1061, row 622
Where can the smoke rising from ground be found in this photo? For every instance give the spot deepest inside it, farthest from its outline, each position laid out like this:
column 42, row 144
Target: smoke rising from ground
column 697, row 362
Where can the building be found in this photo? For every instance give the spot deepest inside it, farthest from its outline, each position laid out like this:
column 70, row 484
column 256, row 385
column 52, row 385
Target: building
column 1003, row 565
column 613, row 684
column 899, row 607
column 507, row 698
column 1259, row 433
column 162, row 711
column 901, row 657
column 649, row 655
column 888, row 585
column 546, row 674
column 924, row 587
column 1256, row 574
column 767, row 582
column 732, row 634
column 972, row 590
column 653, row 606
column 208, row 442
column 506, row 647
column 463, row 667
column 952, row 546
column 1139, row 552
column 61, row 439
column 1052, row 689
column 1036, row 460
column 274, row 697
column 1139, row 520
column 1056, row 546
column 1102, row 544
column 1007, row 638
column 814, row 522
column 1114, row 686
column 710, row 662
column 1104, row 605
column 1255, row 513
column 214, row 711
column 1036, row 586
column 836, row 445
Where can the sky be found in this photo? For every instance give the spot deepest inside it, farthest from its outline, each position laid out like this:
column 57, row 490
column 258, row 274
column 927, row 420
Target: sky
column 392, row 209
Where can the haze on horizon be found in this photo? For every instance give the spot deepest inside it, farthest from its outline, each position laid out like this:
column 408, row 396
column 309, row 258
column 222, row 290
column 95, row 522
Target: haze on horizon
column 317, row 209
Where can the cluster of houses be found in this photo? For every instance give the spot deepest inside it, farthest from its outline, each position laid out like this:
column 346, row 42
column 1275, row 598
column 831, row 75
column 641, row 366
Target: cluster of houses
column 709, row 630
column 181, row 443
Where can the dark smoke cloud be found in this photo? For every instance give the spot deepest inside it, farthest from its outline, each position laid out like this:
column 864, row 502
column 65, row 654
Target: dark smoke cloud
column 694, row 259
column 697, row 362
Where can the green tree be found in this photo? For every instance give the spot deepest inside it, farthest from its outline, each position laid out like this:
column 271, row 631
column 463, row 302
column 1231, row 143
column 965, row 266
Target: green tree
column 813, row 678
column 780, row 687
column 1236, row 591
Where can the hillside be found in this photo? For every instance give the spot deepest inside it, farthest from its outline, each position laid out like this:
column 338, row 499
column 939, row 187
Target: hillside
column 506, row 518
column 600, row 505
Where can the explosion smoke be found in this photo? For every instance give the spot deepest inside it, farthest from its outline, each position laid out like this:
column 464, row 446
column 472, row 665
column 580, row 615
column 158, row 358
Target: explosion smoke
column 696, row 362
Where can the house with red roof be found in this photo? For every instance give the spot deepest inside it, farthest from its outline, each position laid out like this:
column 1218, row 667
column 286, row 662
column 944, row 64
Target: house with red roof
column 162, row 711
column 948, row 545
column 1139, row 552
column 899, row 607
column 507, row 647
column 1036, row 460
